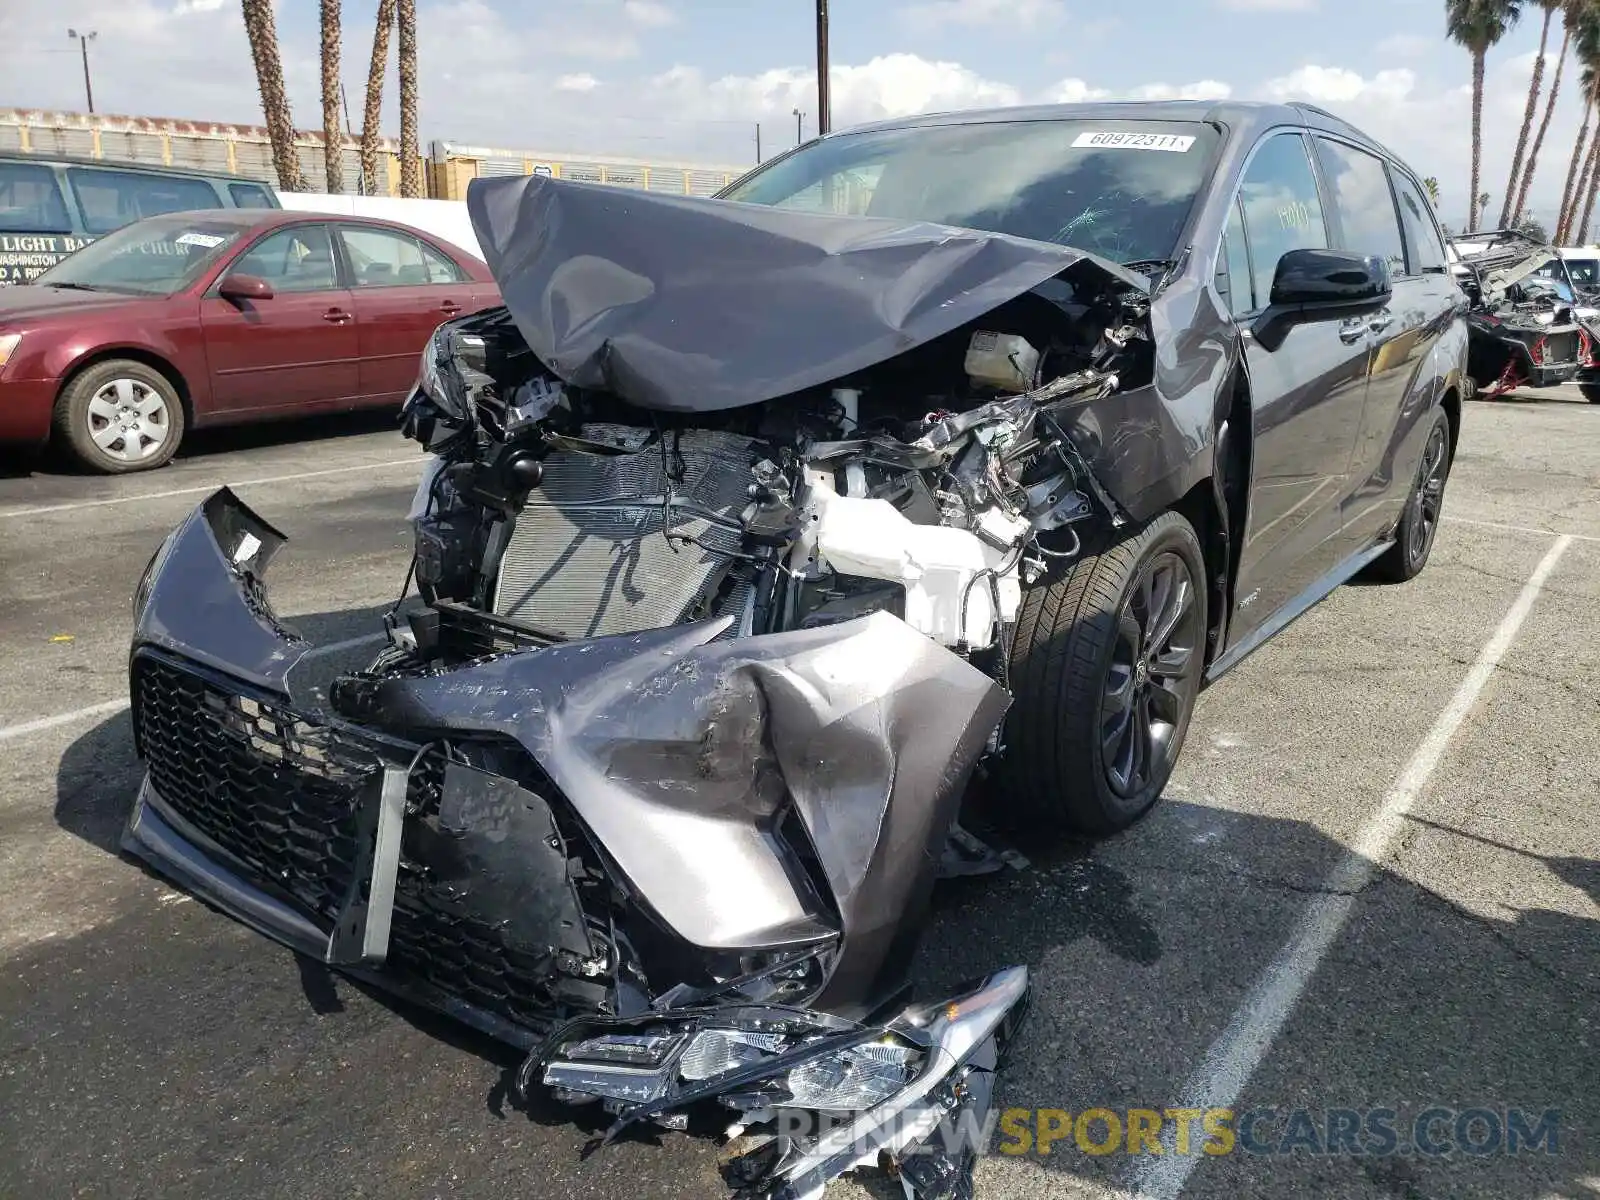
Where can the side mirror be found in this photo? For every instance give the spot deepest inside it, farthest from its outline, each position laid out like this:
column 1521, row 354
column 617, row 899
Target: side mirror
column 1330, row 278
column 1313, row 284
column 244, row 287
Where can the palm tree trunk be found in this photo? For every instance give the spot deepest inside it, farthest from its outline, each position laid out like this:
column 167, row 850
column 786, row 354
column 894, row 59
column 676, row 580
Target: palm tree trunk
column 1578, row 148
column 332, row 134
column 1544, row 125
column 1585, row 183
column 1527, row 124
column 1477, row 138
column 263, row 33
column 373, row 112
column 1582, row 234
column 410, row 169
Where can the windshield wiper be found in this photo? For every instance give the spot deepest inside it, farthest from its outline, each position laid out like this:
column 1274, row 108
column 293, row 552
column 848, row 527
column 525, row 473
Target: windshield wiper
column 1150, row 266
column 77, row 287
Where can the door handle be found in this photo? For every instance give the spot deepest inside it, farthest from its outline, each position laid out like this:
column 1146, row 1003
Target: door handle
column 449, row 308
column 336, row 315
column 1352, row 331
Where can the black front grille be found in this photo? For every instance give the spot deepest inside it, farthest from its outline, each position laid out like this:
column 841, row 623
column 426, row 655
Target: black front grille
column 278, row 793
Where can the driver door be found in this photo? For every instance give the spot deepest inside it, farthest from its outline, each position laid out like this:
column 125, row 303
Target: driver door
column 297, row 349
column 1306, row 391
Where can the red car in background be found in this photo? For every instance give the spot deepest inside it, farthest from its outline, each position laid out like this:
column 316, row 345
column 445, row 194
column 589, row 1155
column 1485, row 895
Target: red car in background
column 208, row 318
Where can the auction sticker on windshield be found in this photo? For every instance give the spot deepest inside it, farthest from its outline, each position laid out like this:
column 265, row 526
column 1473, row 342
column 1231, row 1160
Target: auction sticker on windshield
column 208, row 241
column 1106, row 140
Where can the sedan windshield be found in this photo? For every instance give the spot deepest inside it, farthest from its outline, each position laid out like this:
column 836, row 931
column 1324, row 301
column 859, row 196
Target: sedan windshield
column 154, row 257
column 1120, row 189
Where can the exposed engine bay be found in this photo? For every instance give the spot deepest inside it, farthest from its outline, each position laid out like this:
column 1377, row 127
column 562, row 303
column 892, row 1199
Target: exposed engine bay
column 1524, row 331
column 933, row 486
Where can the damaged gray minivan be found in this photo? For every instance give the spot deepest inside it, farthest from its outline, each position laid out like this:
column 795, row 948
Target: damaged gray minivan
column 751, row 529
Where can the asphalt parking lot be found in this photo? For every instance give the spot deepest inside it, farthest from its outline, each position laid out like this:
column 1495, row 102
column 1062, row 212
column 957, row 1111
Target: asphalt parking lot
column 1374, row 884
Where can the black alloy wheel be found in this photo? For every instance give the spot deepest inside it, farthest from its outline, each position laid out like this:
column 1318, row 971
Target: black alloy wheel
column 1151, row 679
column 1419, row 522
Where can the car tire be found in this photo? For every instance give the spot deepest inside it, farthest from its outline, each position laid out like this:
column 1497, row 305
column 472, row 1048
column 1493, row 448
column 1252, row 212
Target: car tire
column 1419, row 523
column 119, row 416
column 1591, row 392
column 1079, row 686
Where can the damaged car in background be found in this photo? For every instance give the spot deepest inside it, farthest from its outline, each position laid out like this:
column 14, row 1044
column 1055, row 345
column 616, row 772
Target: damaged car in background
column 753, row 531
column 1527, row 326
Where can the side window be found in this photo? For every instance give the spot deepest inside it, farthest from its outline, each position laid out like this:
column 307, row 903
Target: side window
column 1282, row 211
column 379, row 258
column 440, row 268
column 1360, row 185
column 112, row 199
column 249, row 195
column 1422, row 235
column 31, row 201
column 298, row 259
column 1236, row 254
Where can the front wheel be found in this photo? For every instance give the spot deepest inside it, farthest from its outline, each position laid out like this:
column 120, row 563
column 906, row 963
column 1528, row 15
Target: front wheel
column 1419, row 523
column 1105, row 669
column 119, row 416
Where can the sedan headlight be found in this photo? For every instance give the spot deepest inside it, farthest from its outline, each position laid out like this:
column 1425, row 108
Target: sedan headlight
column 8, row 346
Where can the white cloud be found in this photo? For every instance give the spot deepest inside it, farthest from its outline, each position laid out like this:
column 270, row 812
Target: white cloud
column 580, row 82
column 994, row 14
column 1074, row 91
column 1339, row 85
column 649, row 13
column 1204, row 89
column 1280, row 6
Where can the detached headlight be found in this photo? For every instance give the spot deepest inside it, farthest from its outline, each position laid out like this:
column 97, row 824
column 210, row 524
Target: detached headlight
column 438, row 409
column 8, row 346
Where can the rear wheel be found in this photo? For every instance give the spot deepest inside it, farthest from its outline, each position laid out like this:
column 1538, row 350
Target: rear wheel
column 1106, row 667
column 1413, row 537
column 119, row 416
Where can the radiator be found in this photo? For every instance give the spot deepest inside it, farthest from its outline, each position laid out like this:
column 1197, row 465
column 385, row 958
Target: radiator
column 588, row 556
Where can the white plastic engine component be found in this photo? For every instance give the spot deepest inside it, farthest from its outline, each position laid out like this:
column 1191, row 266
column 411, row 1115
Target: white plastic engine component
column 872, row 539
column 849, row 399
column 1001, row 360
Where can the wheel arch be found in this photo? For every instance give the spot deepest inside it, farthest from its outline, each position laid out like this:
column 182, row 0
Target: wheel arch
column 139, row 354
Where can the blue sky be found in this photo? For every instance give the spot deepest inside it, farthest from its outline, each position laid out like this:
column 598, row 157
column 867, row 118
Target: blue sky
column 691, row 79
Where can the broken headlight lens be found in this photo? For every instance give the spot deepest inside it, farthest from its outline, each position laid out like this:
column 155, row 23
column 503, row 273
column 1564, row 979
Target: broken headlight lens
column 852, row 1079
column 715, row 1051
column 635, row 1067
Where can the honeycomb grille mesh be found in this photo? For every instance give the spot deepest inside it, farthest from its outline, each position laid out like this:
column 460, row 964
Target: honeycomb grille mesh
column 276, row 792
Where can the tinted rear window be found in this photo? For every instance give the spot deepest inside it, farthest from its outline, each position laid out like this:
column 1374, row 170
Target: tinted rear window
column 250, row 195
column 112, row 199
column 31, row 200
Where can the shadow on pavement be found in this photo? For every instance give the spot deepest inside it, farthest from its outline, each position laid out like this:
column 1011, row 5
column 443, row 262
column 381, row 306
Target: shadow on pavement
column 1419, row 1003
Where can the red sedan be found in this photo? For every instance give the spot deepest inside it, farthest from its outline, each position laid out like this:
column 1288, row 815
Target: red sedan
column 206, row 318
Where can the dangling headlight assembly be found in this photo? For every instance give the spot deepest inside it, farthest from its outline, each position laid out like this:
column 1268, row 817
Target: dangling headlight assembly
column 439, row 411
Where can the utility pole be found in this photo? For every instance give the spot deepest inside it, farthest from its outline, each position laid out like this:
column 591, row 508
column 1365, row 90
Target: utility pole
column 824, row 109
column 799, row 123
column 83, row 40
column 758, row 143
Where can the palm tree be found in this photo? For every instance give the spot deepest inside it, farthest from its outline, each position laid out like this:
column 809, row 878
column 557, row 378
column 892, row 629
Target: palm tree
column 1478, row 25
column 1586, row 35
column 1507, row 216
column 1549, row 109
column 263, row 34
column 373, row 113
column 410, row 151
column 332, row 135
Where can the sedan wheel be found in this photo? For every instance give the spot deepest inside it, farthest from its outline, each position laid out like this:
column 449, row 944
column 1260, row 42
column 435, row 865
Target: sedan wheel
column 119, row 416
column 129, row 420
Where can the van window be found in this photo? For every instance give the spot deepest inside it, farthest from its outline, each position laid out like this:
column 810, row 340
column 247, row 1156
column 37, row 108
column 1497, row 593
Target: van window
column 1282, row 210
column 1364, row 203
column 112, row 199
column 250, row 195
column 31, row 201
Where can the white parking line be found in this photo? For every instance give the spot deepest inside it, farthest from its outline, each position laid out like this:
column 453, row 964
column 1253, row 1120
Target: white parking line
column 78, row 714
column 210, row 487
column 1581, row 537
column 1235, row 1055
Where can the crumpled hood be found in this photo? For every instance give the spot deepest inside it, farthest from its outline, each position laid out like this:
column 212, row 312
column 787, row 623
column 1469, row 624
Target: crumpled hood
column 691, row 305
